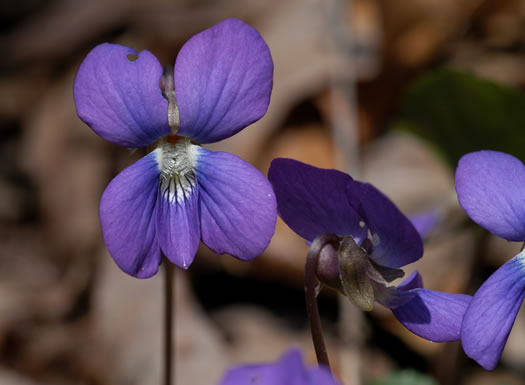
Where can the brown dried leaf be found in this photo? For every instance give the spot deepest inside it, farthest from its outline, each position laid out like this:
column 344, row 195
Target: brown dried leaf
column 128, row 315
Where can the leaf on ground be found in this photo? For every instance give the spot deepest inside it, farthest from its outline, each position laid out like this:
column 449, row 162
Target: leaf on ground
column 406, row 377
column 458, row 112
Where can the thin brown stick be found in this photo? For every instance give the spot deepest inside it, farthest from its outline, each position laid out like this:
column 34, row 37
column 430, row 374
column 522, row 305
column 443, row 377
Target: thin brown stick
column 169, row 304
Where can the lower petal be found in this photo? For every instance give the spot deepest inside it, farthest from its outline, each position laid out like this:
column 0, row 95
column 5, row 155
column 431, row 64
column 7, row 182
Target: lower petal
column 178, row 227
column 489, row 319
column 127, row 210
column 433, row 315
column 237, row 205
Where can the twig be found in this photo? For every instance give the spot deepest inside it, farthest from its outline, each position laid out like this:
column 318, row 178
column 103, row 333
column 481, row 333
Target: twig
column 169, row 303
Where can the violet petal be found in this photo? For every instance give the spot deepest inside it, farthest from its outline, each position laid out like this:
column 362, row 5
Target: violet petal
column 413, row 281
column 313, row 201
column 490, row 187
column 289, row 370
column 223, row 81
column 237, row 205
column 433, row 315
column 489, row 318
column 178, row 225
column 425, row 222
column 121, row 99
column 395, row 241
column 127, row 212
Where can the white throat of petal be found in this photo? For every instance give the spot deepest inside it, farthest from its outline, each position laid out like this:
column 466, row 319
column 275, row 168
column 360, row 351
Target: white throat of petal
column 177, row 168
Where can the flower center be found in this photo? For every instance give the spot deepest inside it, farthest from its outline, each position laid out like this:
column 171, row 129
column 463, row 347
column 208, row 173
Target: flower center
column 176, row 157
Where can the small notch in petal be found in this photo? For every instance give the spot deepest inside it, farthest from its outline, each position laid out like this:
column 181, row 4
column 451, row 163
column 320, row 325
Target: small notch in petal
column 120, row 98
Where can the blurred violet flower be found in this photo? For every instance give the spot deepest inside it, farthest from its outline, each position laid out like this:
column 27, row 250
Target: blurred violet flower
column 181, row 193
column 375, row 240
column 289, row 370
column 425, row 222
column 491, row 188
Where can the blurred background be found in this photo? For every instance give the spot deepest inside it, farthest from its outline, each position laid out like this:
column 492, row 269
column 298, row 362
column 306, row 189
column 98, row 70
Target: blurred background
column 391, row 92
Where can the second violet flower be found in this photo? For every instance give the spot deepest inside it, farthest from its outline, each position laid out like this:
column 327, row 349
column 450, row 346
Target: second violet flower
column 375, row 241
column 181, row 193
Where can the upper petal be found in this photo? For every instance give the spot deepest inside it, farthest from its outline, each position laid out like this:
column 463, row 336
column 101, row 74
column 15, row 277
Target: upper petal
column 396, row 242
column 178, row 225
column 223, row 81
column 433, row 315
column 289, row 370
column 489, row 318
column 121, row 99
column 490, row 187
column 237, row 205
column 313, row 201
column 127, row 212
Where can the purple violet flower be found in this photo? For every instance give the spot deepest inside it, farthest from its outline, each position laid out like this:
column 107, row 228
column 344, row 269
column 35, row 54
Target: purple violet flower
column 289, row 370
column 376, row 239
column 181, row 193
column 490, row 187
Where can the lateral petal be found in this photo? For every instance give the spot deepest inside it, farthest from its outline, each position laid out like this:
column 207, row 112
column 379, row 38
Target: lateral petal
column 237, row 205
column 127, row 212
column 121, row 99
column 313, row 201
column 490, row 317
column 490, row 188
column 223, row 81
column 395, row 241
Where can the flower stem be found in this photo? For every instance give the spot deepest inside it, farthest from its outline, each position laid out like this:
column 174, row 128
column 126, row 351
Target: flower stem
column 169, row 303
column 310, row 291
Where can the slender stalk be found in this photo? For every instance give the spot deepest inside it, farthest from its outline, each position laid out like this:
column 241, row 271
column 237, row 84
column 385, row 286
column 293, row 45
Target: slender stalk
column 169, row 303
column 310, row 291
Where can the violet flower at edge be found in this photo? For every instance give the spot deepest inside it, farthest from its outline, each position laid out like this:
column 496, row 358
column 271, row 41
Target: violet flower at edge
column 490, row 186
